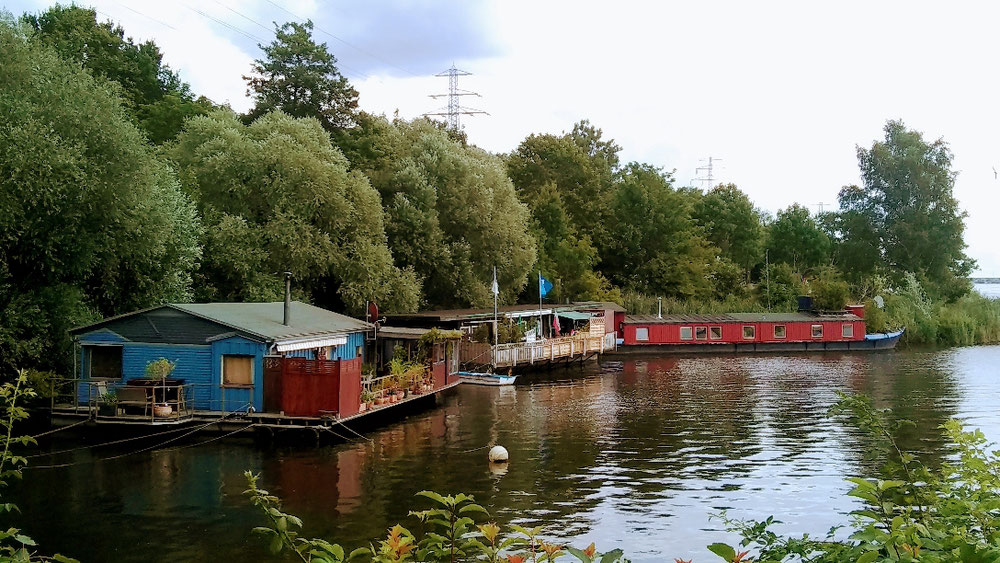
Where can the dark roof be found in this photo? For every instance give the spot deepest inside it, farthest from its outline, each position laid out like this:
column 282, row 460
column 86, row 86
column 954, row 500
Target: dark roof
column 202, row 322
column 402, row 332
column 723, row 318
column 595, row 305
column 474, row 314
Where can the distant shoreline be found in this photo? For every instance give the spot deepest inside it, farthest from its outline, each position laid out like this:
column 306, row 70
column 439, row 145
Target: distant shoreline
column 985, row 280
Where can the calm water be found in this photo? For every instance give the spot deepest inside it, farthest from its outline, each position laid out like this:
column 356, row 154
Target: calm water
column 991, row 290
column 634, row 454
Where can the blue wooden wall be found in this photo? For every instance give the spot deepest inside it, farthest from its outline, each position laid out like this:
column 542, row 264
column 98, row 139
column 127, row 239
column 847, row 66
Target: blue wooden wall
column 198, row 365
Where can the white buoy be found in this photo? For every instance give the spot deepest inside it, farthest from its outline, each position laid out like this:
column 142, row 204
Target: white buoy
column 498, row 454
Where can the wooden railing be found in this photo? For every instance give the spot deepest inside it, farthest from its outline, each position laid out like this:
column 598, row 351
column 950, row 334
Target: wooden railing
column 526, row 353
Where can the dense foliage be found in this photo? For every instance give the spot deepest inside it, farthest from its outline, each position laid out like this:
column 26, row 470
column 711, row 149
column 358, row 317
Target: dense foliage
column 123, row 190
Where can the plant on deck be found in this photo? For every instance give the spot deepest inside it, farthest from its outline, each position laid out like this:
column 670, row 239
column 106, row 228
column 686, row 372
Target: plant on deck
column 449, row 534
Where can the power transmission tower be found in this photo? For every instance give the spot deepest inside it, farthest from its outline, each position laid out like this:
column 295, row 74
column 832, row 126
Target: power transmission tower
column 820, row 207
column 708, row 178
column 454, row 109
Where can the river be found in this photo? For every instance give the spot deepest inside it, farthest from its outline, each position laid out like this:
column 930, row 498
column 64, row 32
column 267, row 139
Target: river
column 636, row 453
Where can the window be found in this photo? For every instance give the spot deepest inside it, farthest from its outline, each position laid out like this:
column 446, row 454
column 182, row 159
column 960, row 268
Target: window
column 749, row 332
column 715, row 333
column 817, row 331
column 105, row 361
column 847, row 330
column 642, row 334
column 237, row 371
column 779, row 331
column 685, row 333
column 701, row 333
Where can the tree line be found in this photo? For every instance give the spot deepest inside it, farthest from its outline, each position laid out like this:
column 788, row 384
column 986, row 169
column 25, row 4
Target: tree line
column 123, row 189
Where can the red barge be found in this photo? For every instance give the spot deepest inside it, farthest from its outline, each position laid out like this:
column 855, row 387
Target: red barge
column 752, row 332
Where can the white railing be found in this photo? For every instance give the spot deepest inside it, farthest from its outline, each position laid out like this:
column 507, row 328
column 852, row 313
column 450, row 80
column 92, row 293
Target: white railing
column 552, row 349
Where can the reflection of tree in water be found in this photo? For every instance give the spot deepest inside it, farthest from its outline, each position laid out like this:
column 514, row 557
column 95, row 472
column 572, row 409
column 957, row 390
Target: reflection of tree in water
column 917, row 386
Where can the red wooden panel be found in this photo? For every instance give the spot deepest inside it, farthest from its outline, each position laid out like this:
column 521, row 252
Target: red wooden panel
column 350, row 386
column 438, row 374
column 272, row 384
column 309, row 386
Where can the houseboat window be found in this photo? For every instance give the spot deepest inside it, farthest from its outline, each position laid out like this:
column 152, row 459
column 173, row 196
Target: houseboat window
column 642, row 333
column 779, row 331
column 817, row 331
column 715, row 333
column 701, row 333
column 847, row 331
column 749, row 332
column 237, row 370
column 685, row 333
column 105, row 362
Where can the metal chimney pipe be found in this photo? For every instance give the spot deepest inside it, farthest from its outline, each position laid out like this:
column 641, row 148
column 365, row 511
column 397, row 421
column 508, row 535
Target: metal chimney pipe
column 288, row 299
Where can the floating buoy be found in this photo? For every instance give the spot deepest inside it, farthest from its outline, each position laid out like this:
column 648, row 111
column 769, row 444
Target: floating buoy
column 498, row 454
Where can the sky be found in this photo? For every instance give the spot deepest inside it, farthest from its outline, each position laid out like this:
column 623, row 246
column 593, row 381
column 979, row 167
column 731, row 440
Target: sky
column 779, row 94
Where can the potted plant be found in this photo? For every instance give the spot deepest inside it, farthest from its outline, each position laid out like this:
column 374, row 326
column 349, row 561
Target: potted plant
column 108, row 405
column 161, row 369
column 366, row 400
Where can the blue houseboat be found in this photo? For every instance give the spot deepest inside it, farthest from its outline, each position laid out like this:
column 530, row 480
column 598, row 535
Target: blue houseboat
column 288, row 358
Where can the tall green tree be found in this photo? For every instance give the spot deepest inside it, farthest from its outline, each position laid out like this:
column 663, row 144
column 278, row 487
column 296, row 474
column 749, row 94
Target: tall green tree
column 795, row 238
column 153, row 94
column 906, row 210
column 277, row 196
column 659, row 248
column 91, row 222
column 452, row 212
column 733, row 225
column 300, row 77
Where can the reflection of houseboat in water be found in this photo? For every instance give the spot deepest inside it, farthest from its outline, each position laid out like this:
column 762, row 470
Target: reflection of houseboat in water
column 804, row 331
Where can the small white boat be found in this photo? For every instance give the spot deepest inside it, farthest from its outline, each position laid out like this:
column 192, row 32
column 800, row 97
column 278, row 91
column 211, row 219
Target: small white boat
column 482, row 378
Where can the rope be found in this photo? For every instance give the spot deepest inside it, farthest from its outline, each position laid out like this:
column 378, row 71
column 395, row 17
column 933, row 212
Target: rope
column 354, row 431
column 330, row 430
column 141, row 450
column 477, row 449
column 54, row 430
column 121, row 441
column 226, row 435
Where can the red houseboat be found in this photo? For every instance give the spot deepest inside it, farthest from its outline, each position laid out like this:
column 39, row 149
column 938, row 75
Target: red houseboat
column 752, row 332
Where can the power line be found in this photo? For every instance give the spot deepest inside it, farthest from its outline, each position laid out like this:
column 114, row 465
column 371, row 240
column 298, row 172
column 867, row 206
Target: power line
column 344, row 41
column 708, row 179
column 454, row 109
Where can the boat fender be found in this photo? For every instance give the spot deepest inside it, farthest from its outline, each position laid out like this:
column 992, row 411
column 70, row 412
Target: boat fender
column 498, row 454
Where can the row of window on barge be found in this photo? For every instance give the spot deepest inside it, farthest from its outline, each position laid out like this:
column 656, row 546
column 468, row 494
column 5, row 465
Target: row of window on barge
column 842, row 330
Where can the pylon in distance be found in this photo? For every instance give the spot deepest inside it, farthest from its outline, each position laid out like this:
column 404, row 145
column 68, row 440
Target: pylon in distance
column 454, row 109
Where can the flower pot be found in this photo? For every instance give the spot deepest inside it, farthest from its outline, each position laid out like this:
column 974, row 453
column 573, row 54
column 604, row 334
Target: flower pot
column 370, row 404
column 362, row 407
column 163, row 411
column 107, row 410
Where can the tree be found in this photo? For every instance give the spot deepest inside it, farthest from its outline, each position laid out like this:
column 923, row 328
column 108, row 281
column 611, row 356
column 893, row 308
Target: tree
column 154, row 95
column 795, row 238
column 452, row 213
column 659, row 247
column 906, row 210
column 276, row 197
column 733, row 225
column 91, row 222
column 300, row 77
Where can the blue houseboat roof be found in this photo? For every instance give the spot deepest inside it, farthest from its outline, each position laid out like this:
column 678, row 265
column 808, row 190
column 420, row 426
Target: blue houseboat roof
column 199, row 323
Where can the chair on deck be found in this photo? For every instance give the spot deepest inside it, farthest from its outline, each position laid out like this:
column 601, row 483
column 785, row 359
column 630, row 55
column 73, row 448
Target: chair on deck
column 133, row 396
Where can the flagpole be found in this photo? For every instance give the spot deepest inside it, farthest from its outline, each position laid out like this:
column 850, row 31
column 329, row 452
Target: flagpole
column 496, row 295
column 541, row 327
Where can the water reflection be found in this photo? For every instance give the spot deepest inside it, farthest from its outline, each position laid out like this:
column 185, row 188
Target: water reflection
column 634, row 454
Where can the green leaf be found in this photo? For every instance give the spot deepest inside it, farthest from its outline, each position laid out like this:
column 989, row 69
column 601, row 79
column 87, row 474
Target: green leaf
column 868, row 557
column 723, row 550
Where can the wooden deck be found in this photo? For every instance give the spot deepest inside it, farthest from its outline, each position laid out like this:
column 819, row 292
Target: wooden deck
column 220, row 421
column 539, row 353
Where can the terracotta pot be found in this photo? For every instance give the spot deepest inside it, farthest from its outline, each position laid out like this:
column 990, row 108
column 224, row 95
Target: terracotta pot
column 362, row 407
column 370, row 404
column 162, row 411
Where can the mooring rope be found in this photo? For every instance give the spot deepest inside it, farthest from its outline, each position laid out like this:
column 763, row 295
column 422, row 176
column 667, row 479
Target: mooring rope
column 54, row 430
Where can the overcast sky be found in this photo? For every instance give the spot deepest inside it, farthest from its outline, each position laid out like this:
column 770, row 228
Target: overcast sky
column 782, row 92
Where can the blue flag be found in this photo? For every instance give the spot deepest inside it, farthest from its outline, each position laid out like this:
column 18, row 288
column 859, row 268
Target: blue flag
column 544, row 286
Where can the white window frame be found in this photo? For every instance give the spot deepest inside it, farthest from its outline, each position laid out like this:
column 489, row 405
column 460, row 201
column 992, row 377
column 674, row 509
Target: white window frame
column 690, row 333
column 847, row 330
column 222, row 371
column 711, row 333
column 812, row 331
column 642, row 333
column 753, row 332
column 784, row 332
column 704, row 334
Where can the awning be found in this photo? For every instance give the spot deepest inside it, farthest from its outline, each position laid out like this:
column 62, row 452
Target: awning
column 573, row 315
column 310, row 343
column 534, row 313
